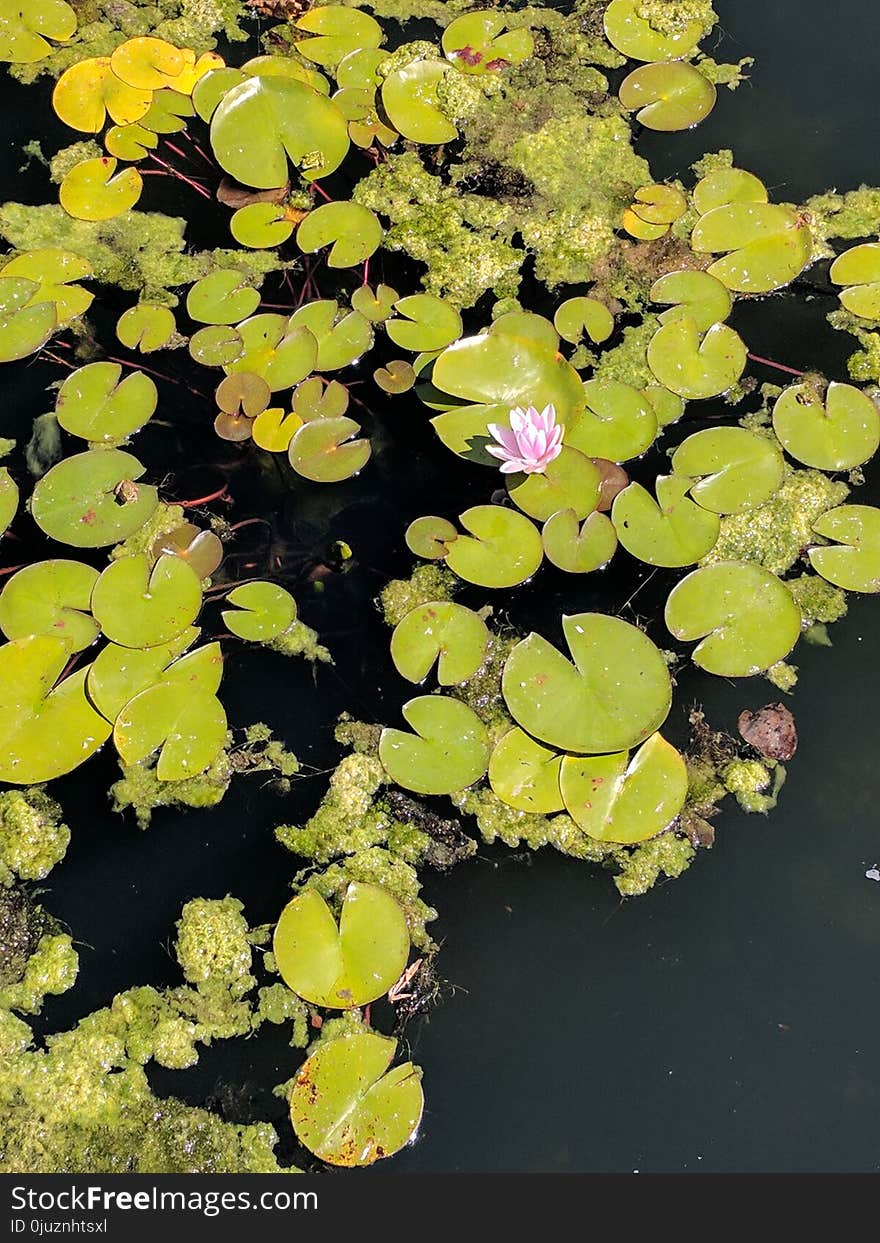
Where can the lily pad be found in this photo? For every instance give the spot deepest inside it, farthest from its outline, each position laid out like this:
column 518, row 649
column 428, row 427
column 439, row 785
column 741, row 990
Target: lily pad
column 316, row 399
column 274, row 429
column 397, row 377
column 147, row 327
column 671, row 531
column 89, row 90
column 658, row 203
column 143, row 605
column 480, row 42
column 411, row 101
column 641, row 230
column 737, row 469
column 130, row 142
column 578, row 549
column 668, row 96
column 636, row 38
column 624, row 798
column 351, row 964
column 90, row 191
column 360, row 68
column 147, row 62
column 325, row 452
column 217, row 345
column 424, row 322
column 201, row 550
column 837, row 433
column 859, row 269
column 450, row 634
column 448, row 751
column 769, row 245
column 8, row 499
column 351, row 231
column 692, row 367
column 616, row 693
column 699, row 295
column 667, row 406
column 525, row 775
column 261, row 122
column 502, row 548
column 342, row 336
column 24, row 326
column 222, row 297
column 185, row 723
column 618, row 423
column 261, row 226
column 78, row 501
column 348, row 1108
column 47, row 727
column 430, row 537
column 118, row 673
column 262, row 612
column 243, row 392
column 375, row 305
column 25, row 30
column 50, row 597
column 279, row 351
column 728, row 185
column 168, row 113
column 745, row 617
column 578, row 316
column 570, row 481
column 854, row 562
column 55, row 271
column 337, row 31
column 209, row 90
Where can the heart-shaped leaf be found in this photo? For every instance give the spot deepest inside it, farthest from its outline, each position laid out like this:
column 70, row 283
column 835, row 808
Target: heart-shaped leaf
column 578, row 549
column 26, row 29
column 525, row 775
column 424, row 322
column 347, row 1107
column 502, row 548
column 273, row 429
column 243, row 392
column 450, row 634
column 262, row 612
column 89, row 90
column 737, row 469
column 351, row 231
column 54, row 271
column 80, row 500
column 658, row 203
column 693, row 368
column 222, row 297
column 47, row 727
column 202, row 550
column 624, row 798
column 130, row 142
column 448, row 751
column 570, row 481
column 147, row 62
column 187, row 722
column 338, row 30
column 745, row 617
column 411, row 101
column 343, row 337
column 770, row 245
column 430, row 537
column 325, row 452
column 316, row 399
column 261, row 226
column 854, row 562
column 671, row 531
column 375, row 305
column 668, row 96
column 617, row 424
column 837, row 432
column 728, row 185
column 636, row 38
column 97, row 405
column 24, row 327
column 217, row 346
column 276, row 349
column 118, row 673
column 139, row 605
column 859, row 269
column 50, row 597
column 616, row 693
column 91, row 192
column 168, row 113
column 397, row 377
column 346, row 965
column 147, row 327
column 477, row 42
column 698, row 295
column 578, row 316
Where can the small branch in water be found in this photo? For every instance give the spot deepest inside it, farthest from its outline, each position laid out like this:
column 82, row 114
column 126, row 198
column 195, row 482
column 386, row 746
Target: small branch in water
column 768, row 362
column 220, row 494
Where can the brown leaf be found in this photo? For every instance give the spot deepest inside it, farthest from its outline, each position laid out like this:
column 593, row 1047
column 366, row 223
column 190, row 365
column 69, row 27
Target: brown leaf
column 234, row 194
column 614, row 480
column 771, row 731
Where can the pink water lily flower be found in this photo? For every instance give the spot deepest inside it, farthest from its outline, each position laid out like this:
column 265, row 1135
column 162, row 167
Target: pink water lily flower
column 531, row 442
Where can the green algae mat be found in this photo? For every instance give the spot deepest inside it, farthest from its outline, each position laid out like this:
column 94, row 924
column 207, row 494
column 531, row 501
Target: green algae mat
column 367, row 266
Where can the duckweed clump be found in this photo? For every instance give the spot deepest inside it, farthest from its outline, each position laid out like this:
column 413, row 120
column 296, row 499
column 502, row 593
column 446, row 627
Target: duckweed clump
column 33, row 836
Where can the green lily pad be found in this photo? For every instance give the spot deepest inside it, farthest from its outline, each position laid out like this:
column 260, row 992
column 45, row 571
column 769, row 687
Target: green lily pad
column 693, row 368
column 79, row 501
column 837, row 433
column 636, row 38
column 424, row 322
column 502, row 548
column 570, row 481
column 397, row 377
column 168, row 113
column 769, row 245
column 525, row 775
column 360, row 69
column 273, row 429
column 450, row 634
column 95, row 404
column 337, row 31
column 671, row 531
column 480, row 42
column 641, row 230
column 578, row 549
column 659, row 203
column 90, row 191
column 262, row 612
column 618, row 423
column 222, row 297
column 55, row 271
column 668, row 95
column 324, row 451
column 348, row 1108
column 745, row 617
column 316, row 399
column 118, row 673
column 130, row 142
column 351, row 964
column 616, row 693
column 89, row 89
column 282, row 352
column 261, row 226
column 577, row 316
column 375, row 305
column 147, row 62
column 411, row 101
column 728, row 185
column 619, row 798
column 187, row 722
column 859, row 269
column 218, row 345
column 430, row 537
column 261, row 122
column 210, row 89
column 699, row 295
column 342, row 336
column 352, row 232
column 854, row 562
column 143, row 605
column 449, row 750
column 50, row 597
column 8, row 499
column 25, row 30
column 146, row 327
column 47, row 727
column 24, row 327
column 737, row 469
column 667, row 406
column 286, row 67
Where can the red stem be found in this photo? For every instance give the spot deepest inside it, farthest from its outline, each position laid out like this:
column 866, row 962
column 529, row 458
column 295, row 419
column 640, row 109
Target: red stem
column 320, row 190
column 768, row 362
column 175, row 172
column 10, row 569
column 203, row 500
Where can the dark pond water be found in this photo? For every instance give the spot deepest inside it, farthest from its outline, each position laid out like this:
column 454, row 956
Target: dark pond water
column 727, row 1021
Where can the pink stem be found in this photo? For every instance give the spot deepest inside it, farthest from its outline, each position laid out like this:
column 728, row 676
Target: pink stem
column 768, row 362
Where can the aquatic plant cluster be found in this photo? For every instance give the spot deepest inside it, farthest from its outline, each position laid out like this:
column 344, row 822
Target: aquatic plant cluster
column 495, row 148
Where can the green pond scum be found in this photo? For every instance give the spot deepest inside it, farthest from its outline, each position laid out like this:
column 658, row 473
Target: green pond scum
column 558, row 310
